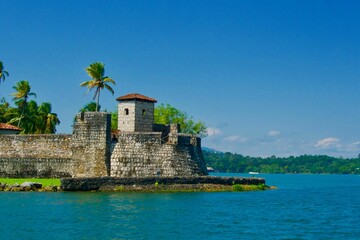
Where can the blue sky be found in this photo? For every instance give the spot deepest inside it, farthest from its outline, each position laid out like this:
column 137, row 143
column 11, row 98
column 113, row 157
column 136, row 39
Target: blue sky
column 267, row 77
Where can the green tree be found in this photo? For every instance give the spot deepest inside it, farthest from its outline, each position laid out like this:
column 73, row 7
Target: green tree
column 47, row 120
column 98, row 80
column 4, row 108
column 114, row 120
column 30, row 118
column 3, row 73
column 21, row 97
column 167, row 114
column 90, row 107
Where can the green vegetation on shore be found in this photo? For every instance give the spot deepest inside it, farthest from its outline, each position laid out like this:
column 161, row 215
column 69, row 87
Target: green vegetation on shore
column 44, row 181
column 237, row 163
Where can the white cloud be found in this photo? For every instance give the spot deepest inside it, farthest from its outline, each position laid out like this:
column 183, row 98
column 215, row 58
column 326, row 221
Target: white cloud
column 213, row 131
column 327, row 142
column 235, row 138
column 273, row 133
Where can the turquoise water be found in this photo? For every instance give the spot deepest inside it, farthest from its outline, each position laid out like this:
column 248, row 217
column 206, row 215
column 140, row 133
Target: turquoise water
column 304, row 207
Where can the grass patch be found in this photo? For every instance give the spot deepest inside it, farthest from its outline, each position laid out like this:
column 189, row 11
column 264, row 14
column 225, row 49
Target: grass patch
column 239, row 187
column 119, row 188
column 44, row 181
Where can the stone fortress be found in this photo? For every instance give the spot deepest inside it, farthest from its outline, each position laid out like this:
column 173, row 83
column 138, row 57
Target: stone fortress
column 139, row 148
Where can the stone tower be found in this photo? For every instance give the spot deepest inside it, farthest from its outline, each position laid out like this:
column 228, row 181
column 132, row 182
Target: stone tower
column 91, row 144
column 136, row 113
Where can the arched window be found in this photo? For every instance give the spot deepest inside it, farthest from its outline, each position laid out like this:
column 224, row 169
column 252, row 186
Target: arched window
column 126, row 111
column 143, row 112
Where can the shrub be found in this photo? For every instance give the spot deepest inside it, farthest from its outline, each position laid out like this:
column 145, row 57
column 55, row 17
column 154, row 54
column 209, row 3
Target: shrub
column 119, row 188
column 237, row 188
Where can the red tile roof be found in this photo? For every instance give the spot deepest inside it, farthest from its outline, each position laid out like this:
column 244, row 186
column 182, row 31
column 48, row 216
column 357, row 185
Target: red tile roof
column 136, row 96
column 5, row 126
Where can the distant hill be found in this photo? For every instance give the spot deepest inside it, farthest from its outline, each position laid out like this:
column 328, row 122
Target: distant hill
column 211, row 150
column 237, row 163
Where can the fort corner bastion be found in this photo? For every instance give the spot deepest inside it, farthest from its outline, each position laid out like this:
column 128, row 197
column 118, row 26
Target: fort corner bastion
column 140, row 148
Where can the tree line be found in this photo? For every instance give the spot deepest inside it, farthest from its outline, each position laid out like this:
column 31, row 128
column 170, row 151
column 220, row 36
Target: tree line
column 27, row 114
column 32, row 117
column 237, row 163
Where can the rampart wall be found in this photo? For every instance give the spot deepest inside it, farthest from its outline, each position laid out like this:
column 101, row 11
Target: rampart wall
column 90, row 152
column 145, row 154
column 35, row 156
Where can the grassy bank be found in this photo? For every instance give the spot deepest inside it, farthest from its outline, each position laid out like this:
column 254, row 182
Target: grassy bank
column 44, row 181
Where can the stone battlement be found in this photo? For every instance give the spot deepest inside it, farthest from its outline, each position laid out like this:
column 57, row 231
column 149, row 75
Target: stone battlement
column 140, row 149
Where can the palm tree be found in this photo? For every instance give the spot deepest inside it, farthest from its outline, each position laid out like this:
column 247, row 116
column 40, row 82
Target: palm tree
column 98, row 81
column 47, row 120
column 21, row 96
column 30, row 118
column 3, row 73
column 90, row 107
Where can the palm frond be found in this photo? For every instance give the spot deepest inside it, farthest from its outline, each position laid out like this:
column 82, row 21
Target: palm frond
column 110, row 80
column 32, row 94
column 109, row 88
column 86, row 83
column 96, row 70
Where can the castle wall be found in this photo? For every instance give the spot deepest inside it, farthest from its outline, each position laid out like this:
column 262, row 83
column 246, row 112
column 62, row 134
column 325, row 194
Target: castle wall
column 24, row 156
column 144, row 154
column 85, row 153
column 89, row 152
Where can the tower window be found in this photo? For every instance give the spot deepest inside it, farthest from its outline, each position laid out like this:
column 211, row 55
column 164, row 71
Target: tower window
column 126, row 111
column 143, row 112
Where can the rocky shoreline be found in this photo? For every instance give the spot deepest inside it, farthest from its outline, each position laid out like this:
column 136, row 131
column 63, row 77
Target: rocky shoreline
column 145, row 184
column 28, row 187
column 200, row 183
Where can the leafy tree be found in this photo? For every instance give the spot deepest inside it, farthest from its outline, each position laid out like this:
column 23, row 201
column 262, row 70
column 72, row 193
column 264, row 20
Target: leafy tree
column 3, row 73
column 21, row 97
column 47, row 119
column 167, row 114
column 98, row 81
